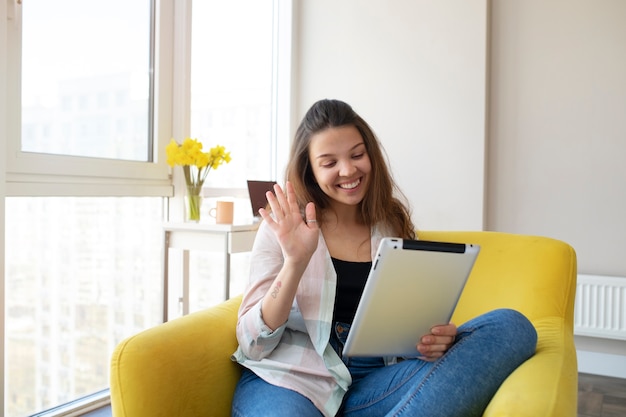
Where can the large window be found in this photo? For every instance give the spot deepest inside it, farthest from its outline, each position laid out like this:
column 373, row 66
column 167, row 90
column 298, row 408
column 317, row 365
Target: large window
column 231, row 85
column 82, row 273
column 99, row 89
column 86, row 78
column 86, row 196
column 84, row 74
column 232, row 94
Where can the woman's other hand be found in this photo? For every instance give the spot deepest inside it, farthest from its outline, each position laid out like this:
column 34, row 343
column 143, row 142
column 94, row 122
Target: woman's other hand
column 435, row 344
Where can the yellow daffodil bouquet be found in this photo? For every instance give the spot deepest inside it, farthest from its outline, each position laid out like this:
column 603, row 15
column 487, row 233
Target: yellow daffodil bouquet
column 196, row 166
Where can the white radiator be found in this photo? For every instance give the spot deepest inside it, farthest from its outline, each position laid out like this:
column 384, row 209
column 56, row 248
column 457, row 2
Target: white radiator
column 600, row 309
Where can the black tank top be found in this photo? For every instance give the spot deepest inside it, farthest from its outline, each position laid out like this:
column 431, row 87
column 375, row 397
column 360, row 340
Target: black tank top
column 351, row 278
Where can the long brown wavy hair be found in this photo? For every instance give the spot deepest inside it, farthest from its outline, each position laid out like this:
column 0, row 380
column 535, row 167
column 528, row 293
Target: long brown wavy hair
column 383, row 204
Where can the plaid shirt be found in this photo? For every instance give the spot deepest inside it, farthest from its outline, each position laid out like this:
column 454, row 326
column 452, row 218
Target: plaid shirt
column 297, row 355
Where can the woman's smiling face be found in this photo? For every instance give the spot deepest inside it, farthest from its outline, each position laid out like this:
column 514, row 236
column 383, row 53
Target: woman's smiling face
column 340, row 164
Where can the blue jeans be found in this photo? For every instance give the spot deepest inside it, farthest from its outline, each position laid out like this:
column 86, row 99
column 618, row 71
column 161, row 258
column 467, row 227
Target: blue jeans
column 461, row 383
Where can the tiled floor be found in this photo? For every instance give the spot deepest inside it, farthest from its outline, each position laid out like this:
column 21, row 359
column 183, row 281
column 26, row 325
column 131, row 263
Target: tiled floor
column 600, row 396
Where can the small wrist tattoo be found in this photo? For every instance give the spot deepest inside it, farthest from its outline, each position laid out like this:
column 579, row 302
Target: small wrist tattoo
column 276, row 289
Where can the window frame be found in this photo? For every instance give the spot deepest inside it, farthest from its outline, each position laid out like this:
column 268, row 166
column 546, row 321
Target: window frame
column 38, row 174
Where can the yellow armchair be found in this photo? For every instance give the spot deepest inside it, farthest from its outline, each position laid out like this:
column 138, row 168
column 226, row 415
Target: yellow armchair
column 183, row 368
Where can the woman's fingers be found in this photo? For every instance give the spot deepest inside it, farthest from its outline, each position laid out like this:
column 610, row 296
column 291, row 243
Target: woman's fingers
column 292, row 200
column 310, row 216
column 282, row 200
column 438, row 342
column 285, row 209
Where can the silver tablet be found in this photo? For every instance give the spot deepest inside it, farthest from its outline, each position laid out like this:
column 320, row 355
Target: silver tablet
column 412, row 286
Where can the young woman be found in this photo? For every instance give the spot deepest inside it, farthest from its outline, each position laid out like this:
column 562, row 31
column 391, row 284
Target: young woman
column 310, row 260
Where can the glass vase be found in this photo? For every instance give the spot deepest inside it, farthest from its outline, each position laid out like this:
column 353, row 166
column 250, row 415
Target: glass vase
column 193, row 203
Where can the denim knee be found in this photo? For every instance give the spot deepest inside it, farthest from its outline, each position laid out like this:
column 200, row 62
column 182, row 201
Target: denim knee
column 509, row 327
column 519, row 325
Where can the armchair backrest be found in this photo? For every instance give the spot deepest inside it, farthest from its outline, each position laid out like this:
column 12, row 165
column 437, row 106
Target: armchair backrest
column 531, row 274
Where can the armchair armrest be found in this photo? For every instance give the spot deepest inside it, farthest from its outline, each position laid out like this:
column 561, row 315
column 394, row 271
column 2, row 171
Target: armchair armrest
column 180, row 368
column 547, row 383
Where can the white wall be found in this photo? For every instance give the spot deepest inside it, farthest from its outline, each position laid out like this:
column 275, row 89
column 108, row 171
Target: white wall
column 557, row 137
column 557, row 133
column 415, row 70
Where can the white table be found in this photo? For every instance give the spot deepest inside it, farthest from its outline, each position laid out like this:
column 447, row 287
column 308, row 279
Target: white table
column 207, row 237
